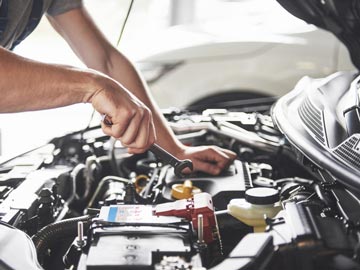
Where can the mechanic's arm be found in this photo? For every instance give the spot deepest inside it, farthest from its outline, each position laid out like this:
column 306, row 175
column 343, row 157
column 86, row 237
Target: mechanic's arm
column 28, row 85
column 78, row 29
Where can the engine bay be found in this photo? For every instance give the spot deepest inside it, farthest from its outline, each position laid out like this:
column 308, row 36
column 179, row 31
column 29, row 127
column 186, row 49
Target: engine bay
column 88, row 204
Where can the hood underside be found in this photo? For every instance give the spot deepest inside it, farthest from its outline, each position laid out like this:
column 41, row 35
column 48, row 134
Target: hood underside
column 341, row 17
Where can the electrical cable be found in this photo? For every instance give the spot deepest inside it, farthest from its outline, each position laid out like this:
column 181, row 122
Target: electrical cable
column 56, row 232
column 125, row 22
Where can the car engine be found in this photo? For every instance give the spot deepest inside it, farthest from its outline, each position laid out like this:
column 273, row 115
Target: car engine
column 82, row 202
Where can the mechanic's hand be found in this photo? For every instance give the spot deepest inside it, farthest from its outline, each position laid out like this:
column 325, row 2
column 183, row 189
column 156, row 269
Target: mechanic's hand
column 209, row 159
column 132, row 121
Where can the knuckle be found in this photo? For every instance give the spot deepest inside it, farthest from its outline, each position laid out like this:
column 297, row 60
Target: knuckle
column 213, row 169
column 116, row 133
column 106, row 131
column 213, row 149
column 221, row 165
column 126, row 140
column 133, row 112
column 216, row 170
column 147, row 111
column 151, row 140
column 209, row 167
column 142, row 111
column 129, row 113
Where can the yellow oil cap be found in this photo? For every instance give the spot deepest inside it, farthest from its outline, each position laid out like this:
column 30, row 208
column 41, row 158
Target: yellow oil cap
column 184, row 191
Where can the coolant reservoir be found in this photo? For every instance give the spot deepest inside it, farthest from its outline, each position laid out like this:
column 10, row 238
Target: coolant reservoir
column 258, row 203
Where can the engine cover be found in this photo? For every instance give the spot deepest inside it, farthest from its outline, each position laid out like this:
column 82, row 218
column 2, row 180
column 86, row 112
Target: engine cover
column 230, row 184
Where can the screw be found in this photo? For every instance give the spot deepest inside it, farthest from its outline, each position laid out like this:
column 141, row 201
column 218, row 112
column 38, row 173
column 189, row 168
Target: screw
column 80, row 234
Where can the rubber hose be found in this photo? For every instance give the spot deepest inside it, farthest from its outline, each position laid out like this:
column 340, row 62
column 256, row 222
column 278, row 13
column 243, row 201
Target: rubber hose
column 55, row 231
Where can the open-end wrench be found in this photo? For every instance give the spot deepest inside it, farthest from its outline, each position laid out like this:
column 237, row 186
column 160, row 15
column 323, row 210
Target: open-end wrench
column 165, row 156
column 179, row 165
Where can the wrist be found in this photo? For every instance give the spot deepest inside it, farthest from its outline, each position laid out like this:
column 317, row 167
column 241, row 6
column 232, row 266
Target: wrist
column 179, row 149
column 94, row 84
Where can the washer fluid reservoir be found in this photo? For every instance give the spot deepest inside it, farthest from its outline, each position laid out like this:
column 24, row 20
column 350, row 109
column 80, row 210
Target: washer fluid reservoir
column 258, row 203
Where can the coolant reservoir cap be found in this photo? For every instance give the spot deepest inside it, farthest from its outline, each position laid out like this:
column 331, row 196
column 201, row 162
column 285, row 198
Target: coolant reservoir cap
column 262, row 195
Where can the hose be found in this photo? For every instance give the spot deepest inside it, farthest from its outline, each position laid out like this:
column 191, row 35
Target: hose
column 91, row 165
column 56, row 231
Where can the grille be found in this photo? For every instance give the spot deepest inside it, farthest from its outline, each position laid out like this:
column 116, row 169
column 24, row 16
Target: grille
column 349, row 151
column 312, row 118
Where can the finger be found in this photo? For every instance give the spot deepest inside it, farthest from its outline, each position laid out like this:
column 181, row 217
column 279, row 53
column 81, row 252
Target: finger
column 120, row 125
column 224, row 153
column 152, row 136
column 133, row 128
column 232, row 155
column 132, row 150
column 141, row 141
column 208, row 167
column 152, row 132
column 106, row 129
column 223, row 160
column 216, row 156
column 146, row 135
column 151, row 140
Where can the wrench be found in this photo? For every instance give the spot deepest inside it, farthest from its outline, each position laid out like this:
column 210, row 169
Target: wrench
column 179, row 165
column 158, row 151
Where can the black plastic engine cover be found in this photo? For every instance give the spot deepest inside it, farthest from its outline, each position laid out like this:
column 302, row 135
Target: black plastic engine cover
column 230, row 184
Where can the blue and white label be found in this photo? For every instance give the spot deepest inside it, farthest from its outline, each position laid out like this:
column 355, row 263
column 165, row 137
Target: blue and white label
column 132, row 214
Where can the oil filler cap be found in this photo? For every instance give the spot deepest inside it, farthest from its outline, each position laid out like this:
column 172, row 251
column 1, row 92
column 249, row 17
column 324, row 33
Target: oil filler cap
column 184, row 191
column 262, row 195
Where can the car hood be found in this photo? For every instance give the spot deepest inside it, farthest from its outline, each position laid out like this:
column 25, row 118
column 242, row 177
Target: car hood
column 341, row 17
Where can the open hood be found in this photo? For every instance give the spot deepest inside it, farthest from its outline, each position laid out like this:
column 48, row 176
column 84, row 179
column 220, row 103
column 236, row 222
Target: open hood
column 341, row 17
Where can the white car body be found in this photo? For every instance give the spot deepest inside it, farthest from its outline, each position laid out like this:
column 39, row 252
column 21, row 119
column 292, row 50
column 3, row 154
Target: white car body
column 253, row 59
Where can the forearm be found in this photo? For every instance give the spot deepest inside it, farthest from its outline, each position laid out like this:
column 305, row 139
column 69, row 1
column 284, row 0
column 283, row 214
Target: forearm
column 122, row 70
column 29, row 85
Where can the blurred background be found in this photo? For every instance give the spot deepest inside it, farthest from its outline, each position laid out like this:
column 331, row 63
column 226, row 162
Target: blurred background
column 191, row 52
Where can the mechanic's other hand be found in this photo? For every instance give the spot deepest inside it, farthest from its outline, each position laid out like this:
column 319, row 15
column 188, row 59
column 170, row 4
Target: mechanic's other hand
column 132, row 121
column 209, row 159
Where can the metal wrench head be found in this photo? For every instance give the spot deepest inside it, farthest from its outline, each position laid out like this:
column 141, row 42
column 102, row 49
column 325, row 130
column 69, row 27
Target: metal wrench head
column 181, row 165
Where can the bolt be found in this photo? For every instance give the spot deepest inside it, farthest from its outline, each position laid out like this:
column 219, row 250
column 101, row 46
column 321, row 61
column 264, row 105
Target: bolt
column 80, row 241
column 200, row 219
